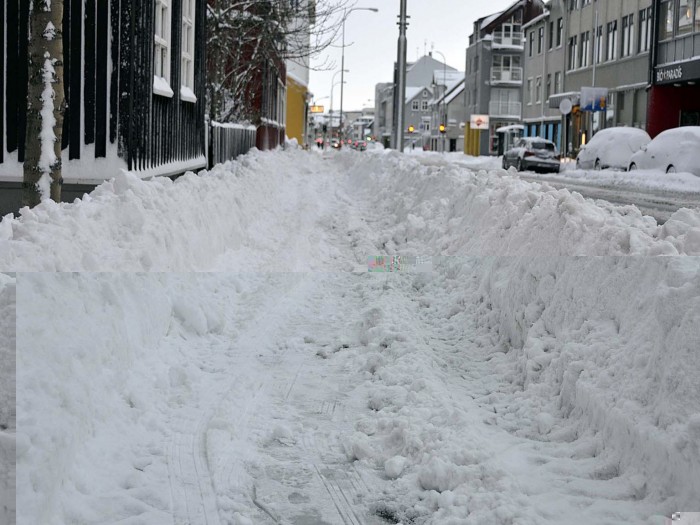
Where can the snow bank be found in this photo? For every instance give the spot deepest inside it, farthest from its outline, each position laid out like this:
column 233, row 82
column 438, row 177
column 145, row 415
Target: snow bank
column 425, row 203
column 8, row 418
column 128, row 224
column 92, row 386
column 296, row 209
column 614, row 342
column 594, row 361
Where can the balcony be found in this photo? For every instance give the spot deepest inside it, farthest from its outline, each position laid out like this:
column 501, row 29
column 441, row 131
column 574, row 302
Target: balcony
column 503, row 109
column 511, row 76
column 509, row 40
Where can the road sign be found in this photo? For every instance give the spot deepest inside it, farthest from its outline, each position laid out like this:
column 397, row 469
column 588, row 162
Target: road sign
column 479, row 122
column 565, row 106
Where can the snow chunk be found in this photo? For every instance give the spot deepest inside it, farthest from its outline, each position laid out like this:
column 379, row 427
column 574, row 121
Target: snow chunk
column 393, row 467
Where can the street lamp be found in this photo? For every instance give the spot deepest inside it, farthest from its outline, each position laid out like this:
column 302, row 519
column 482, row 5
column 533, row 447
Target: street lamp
column 443, row 129
column 331, row 110
column 346, row 13
column 333, row 84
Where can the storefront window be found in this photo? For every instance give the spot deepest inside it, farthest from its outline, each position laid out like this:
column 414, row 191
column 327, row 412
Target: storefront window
column 666, row 20
column 697, row 15
column 685, row 17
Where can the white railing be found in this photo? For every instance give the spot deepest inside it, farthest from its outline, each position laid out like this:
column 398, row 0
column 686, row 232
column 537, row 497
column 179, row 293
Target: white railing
column 501, row 39
column 508, row 75
column 498, row 108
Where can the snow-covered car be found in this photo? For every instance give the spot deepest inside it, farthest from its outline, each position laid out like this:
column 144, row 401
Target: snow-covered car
column 612, row 148
column 533, row 153
column 673, row 150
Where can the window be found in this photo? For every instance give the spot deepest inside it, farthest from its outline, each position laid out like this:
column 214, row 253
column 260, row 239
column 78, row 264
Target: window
column 586, row 2
column 532, row 42
column 645, row 30
column 415, row 106
column 540, row 40
column 573, row 5
column 612, row 41
column 685, row 17
column 161, row 46
column 697, row 15
column 538, row 89
column 549, row 85
column 627, row 35
column 187, row 61
column 666, row 20
column 585, row 47
column 424, row 105
column 573, row 47
column 598, row 53
column 558, row 88
column 560, row 31
column 551, row 33
column 529, row 91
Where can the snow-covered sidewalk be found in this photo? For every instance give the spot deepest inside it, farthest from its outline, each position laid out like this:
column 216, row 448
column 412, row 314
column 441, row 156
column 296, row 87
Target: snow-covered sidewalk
column 497, row 390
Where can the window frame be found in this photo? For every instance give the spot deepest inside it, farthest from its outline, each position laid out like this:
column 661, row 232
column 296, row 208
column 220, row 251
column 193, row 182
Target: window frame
column 611, row 48
column 187, row 52
column 162, row 48
column 627, row 36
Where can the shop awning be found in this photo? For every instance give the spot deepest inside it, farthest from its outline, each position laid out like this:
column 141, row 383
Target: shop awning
column 573, row 96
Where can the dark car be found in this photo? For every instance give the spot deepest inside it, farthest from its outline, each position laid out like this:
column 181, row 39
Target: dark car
column 533, row 153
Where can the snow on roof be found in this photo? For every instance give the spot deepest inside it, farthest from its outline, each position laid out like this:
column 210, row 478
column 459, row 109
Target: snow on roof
column 486, row 21
column 412, row 91
column 453, row 91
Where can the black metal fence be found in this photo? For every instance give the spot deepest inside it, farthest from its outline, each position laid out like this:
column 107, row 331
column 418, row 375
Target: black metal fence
column 228, row 141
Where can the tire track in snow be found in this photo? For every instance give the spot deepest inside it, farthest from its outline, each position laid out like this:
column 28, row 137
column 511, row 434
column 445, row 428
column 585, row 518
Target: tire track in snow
column 192, row 487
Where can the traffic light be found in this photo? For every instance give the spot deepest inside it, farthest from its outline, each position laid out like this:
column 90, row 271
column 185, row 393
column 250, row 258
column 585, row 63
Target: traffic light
column 442, row 128
column 411, row 129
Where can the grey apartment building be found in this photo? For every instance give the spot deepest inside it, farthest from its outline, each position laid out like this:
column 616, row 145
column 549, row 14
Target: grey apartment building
column 494, row 73
column 544, row 69
column 596, row 44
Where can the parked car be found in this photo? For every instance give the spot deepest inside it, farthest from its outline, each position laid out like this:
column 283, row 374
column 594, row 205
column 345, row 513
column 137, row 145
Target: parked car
column 533, row 153
column 673, row 150
column 612, row 148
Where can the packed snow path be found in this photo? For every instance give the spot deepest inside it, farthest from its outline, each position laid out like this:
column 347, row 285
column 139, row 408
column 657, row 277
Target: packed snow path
column 304, row 211
column 489, row 391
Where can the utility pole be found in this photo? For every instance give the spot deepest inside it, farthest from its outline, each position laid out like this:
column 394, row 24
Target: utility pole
column 400, row 93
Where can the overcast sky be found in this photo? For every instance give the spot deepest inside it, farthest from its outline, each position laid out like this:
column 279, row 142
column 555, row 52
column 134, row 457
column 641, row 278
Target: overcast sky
column 444, row 25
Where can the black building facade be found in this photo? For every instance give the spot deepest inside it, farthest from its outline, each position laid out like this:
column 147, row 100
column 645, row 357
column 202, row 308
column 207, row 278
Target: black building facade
column 134, row 81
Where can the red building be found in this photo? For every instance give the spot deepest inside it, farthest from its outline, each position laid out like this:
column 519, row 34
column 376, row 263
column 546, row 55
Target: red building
column 674, row 99
column 245, row 58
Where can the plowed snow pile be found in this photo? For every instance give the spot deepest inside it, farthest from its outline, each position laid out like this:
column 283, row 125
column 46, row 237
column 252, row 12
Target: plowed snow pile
column 492, row 390
column 296, row 210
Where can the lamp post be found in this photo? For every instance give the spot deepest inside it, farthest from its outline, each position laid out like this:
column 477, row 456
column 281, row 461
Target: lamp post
column 400, row 88
column 331, row 110
column 333, row 84
column 444, row 102
column 346, row 13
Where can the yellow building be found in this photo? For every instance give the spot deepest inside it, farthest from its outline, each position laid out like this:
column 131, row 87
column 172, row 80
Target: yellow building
column 297, row 109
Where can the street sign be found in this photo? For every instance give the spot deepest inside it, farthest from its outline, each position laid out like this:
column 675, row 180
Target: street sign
column 593, row 99
column 317, row 109
column 479, row 122
column 565, row 106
